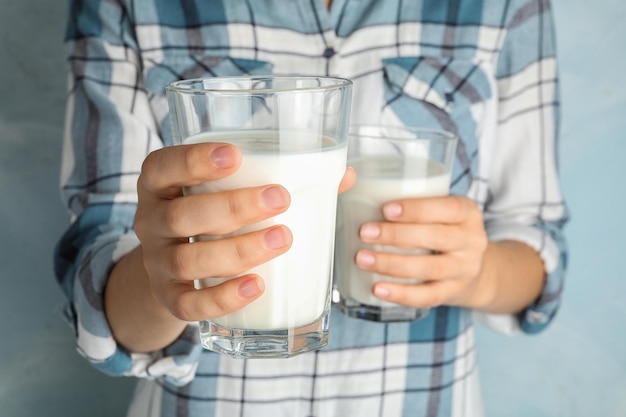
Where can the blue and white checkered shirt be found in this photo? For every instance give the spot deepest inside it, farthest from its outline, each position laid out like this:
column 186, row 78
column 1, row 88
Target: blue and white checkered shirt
column 484, row 69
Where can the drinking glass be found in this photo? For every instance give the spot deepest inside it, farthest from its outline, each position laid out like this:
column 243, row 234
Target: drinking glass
column 391, row 163
column 291, row 130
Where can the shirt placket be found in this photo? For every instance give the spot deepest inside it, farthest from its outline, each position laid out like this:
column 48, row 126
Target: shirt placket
column 321, row 20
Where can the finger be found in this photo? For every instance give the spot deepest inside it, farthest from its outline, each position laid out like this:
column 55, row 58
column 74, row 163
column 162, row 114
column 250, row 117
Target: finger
column 348, row 180
column 190, row 304
column 219, row 213
column 166, row 170
column 424, row 295
column 422, row 266
column 437, row 237
column 447, row 209
column 225, row 257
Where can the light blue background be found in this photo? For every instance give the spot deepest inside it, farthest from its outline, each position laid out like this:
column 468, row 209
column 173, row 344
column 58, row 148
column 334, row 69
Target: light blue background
column 576, row 368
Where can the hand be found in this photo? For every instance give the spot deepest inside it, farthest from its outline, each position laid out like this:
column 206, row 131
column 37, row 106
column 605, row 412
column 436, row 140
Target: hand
column 150, row 296
column 165, row 219
column 452, row 227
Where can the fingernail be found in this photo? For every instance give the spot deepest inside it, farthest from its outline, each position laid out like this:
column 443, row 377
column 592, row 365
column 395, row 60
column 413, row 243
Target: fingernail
column 369, row 231
column 275, row 238
column 381, row 292
column 365, row 259
column 223, row 157
column 273, row 197
column 392, row 210
column 249, row 288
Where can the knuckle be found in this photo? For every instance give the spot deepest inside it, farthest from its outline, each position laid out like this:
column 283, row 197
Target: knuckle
column 473, row 210
column 192, row 163
column 477, row 239
column 236, row 210
column 458, row 206
column 389, row 233
column 234, row 204
column 475, row 269
column 182, row 309
column 139, row 226
column 245, row 254
column 473, row 266
column 240, row 250
column 440, row 237
column 150, row 262
column 148, row 167
column 149, row 162
column 434, row 297
column 141, row 180
column 174, row 218
column 178, row 263
column 482, row 242
column 383, row 263
column 244, row 204
column 435, row 269
column 222, row 305
column 399, row 267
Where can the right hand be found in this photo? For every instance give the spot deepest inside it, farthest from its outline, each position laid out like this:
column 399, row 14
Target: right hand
column 165, row 220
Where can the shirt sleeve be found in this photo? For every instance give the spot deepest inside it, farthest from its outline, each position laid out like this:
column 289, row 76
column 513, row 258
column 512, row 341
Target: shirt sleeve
column 525, row 202
column 108, row 132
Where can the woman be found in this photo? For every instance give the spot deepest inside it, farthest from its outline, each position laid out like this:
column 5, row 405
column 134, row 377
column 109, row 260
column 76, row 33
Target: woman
column 485, row 70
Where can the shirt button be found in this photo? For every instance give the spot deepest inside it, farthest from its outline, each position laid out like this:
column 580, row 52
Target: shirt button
column 329, row 52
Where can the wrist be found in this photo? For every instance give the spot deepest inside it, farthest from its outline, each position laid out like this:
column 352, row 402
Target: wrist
column 512, row 276
column 482, row 292
column 137, row 320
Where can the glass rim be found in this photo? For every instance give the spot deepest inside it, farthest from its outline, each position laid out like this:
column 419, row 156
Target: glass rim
column 374, row 132
column 186, row 86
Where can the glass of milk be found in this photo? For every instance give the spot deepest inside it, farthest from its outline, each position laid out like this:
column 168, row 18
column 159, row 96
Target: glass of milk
column 391, row 163
column 291, row 130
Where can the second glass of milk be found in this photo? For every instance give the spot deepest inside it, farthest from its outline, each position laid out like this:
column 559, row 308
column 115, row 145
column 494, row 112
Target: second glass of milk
column 391, row 163
column 291, row 131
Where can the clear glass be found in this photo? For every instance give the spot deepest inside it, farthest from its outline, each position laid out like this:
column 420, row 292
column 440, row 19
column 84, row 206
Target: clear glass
column 391, row 163
column 291, row 131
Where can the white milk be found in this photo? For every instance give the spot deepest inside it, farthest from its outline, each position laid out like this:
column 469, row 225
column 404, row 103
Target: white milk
column 380, row 180
column 296, row 283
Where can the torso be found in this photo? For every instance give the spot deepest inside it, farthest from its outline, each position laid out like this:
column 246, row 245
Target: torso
column 401, row 75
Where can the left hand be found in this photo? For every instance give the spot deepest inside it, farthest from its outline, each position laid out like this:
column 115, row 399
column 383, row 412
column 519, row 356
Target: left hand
column 452, row 227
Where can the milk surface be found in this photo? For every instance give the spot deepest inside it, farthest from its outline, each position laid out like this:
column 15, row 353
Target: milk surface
column 380, row 179
column 310, row 167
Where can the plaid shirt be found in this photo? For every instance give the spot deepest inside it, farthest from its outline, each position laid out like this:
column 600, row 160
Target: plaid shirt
column 484, row 69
